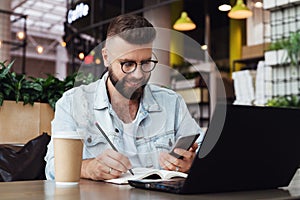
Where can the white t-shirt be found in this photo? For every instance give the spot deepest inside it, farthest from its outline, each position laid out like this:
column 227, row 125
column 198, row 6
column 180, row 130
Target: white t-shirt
column 129, row 145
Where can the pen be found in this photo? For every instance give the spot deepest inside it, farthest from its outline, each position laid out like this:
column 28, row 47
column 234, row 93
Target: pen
column 110, row 143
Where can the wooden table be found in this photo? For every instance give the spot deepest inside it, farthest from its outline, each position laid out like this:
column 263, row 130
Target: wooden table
column 91, row 190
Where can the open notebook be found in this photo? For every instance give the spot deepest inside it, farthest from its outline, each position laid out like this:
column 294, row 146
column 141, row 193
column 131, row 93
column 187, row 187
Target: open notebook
column 146, row 173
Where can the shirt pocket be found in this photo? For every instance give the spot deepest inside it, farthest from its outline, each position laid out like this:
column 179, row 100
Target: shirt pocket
column 162, row 141
column 93, row 140
column 93, row 146
column 149, row 148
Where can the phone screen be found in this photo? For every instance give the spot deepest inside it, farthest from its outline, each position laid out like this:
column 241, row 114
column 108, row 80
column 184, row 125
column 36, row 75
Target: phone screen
column 183, row 142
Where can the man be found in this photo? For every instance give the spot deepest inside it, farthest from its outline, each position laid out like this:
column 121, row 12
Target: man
column 142, row 120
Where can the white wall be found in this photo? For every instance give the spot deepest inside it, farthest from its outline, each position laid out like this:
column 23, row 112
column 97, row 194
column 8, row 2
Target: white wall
column 257, row 25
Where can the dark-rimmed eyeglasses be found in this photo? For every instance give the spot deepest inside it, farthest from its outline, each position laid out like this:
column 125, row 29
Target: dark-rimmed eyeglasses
column 130, row 66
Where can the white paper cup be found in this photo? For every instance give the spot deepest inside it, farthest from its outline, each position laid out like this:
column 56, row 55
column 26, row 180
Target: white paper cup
column 68, row 146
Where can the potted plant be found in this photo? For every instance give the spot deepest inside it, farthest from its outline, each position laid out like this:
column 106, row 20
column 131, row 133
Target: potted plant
column 293, row 48
column 284, row 51
column 276, row 53
column 291, row 101
column 17, row 87
column 21, row 121
column 27, row 104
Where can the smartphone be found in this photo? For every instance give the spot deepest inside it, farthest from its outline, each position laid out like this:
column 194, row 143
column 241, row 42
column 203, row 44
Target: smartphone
column 183, row 142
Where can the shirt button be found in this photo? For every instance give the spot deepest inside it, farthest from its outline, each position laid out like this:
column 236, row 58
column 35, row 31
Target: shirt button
column 89, row 140
column 170, row 142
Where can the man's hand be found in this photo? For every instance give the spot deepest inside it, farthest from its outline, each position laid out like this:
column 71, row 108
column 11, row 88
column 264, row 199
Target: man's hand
column 108, row 165
column 169, row 162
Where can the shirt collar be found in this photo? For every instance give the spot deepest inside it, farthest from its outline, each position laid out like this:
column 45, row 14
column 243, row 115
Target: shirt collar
column 101, row 98
column 149, row 103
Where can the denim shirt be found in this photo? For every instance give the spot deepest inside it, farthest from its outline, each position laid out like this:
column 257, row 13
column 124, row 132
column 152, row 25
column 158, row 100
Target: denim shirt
column 162, row 117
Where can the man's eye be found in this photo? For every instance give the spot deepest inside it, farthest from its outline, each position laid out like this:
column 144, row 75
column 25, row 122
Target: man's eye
column 128, row 64
column 146, row 62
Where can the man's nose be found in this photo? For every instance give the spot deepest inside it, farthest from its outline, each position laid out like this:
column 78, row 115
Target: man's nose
column 138, row 72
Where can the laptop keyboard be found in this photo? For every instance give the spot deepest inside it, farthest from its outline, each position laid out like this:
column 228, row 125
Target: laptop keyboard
column 177, row 183
column 173, row 185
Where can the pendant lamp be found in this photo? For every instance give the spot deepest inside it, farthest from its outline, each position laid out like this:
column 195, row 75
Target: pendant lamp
column 240, row 11
column 184, row 23
column 224, row 7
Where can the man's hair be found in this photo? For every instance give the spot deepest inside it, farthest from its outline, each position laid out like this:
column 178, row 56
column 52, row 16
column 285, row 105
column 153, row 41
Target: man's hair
column 132, row 28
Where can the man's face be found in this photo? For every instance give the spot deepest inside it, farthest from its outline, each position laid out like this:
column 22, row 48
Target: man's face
column 131, row 85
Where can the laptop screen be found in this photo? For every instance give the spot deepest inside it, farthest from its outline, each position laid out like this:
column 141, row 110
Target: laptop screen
column 247, row 148
column 258, row 148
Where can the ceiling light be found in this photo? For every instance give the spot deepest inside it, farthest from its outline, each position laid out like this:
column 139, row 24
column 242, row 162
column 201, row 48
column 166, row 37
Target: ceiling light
column 63, row 43
column 81, row 56
column 204, row 47
column 39, row 49
column 184, row 23
column 240, row 11
column 224, row 7
column 97, row 61
column 20, row 35
column 258, row 4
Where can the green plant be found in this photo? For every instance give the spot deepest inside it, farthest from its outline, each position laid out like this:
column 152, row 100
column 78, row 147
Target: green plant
column 293, row 48
column 291, row 101
column 16, row 87
column 53, row 88
column 278, row 44
column 291, row 45
column 29, row 90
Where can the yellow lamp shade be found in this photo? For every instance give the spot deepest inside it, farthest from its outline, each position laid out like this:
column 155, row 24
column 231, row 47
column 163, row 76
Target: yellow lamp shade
column 184, row 23
column 240, row 11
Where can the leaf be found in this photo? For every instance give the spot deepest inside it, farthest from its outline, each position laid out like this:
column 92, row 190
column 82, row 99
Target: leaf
column 18, row 87
column 26, row 98
column 285, row 101
column 6, row 69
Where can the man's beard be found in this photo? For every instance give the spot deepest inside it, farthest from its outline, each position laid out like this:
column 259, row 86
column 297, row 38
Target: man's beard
column 132, row 93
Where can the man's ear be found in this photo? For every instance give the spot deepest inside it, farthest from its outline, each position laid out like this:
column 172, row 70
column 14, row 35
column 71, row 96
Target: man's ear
column 105, row 57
